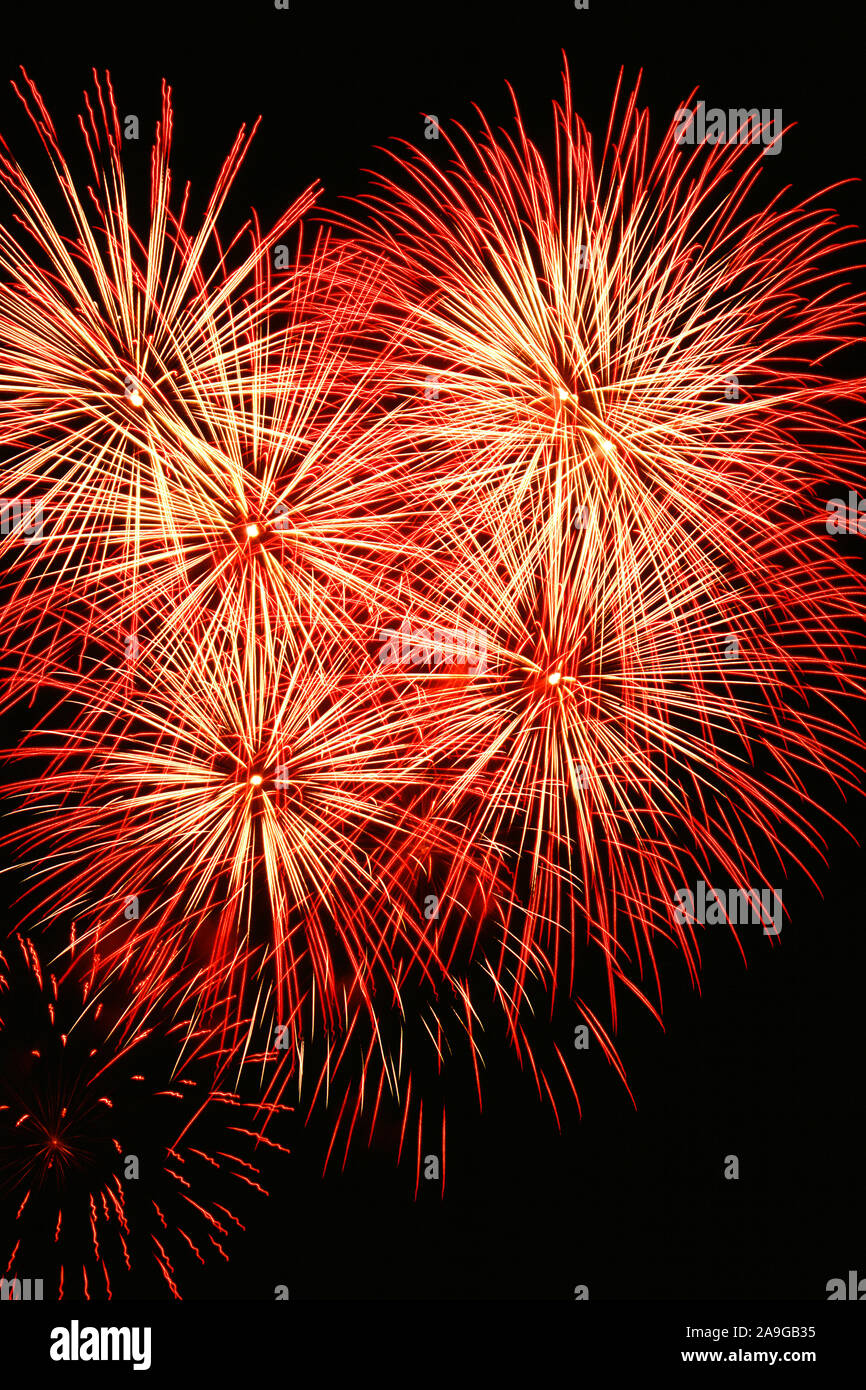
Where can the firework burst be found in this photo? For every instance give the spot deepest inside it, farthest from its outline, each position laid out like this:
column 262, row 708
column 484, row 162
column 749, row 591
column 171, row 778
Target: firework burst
column 624, row 737
column 115, row 1161
column 619, row 336
column 256, row 813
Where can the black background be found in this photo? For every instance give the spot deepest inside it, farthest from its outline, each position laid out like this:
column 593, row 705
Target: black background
column 766, row 1062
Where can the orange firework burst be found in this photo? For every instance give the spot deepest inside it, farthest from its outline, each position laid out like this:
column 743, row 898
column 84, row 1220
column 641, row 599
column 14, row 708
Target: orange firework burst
column 252, row 809
column 617, row 336
column 622, row 738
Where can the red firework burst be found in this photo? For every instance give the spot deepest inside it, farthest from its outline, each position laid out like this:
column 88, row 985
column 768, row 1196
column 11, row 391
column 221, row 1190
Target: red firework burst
column 114, row 1159
column 621, row 740
column 618, row 335
column 256, row 813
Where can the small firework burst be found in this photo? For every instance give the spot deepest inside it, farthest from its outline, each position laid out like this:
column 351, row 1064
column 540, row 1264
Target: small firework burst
column 119, row 1166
